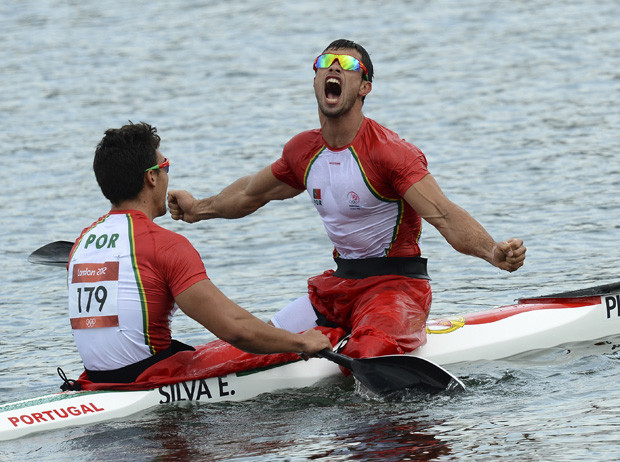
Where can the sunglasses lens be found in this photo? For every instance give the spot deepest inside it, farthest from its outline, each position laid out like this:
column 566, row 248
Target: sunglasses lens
column 324, row 61
column 348, row 63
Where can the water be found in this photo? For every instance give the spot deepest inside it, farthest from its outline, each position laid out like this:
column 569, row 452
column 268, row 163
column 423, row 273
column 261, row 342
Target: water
column 515, row 105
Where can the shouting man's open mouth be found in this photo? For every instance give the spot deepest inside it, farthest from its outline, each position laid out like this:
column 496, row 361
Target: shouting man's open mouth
column 333, row 89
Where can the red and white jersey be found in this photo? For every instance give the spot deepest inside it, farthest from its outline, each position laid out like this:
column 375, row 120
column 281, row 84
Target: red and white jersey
column 124, row 272
column 358, row 190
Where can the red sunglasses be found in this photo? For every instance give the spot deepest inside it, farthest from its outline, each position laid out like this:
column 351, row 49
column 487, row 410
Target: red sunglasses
column 164, row 165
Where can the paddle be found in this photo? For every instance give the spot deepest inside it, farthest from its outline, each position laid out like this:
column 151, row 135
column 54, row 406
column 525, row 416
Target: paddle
column 386, row 374
column 54, row 254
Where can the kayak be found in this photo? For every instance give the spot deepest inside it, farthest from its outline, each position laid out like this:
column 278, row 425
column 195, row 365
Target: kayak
column 531, row 324
column 588, row 315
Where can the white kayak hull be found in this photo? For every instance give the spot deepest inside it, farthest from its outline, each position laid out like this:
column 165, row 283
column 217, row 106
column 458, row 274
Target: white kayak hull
column 531, row 325
column 496, row 334
column 74, row 408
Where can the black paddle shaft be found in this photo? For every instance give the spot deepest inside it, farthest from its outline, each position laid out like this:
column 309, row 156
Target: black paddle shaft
column 385, row 374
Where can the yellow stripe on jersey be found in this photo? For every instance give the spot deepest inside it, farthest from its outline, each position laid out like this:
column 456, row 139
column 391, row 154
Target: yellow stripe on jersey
column 141, row 292
column 399, row 201
column 314, row 157
column 79, row 240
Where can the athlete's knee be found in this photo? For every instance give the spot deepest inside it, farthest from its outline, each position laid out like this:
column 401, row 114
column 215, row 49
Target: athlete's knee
column 298, row 316
column 368, row 341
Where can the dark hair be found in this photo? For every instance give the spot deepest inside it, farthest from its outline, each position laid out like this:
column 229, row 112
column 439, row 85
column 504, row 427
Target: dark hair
column 344, row 43
column 121, row 158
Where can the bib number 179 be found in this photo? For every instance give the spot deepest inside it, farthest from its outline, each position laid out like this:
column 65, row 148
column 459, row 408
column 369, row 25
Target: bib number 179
column 100, row 293
column 93, row 295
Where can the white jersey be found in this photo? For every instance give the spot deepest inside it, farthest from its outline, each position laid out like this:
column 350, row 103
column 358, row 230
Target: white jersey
column 360, row 223
column 123, row 276
column 359, row 189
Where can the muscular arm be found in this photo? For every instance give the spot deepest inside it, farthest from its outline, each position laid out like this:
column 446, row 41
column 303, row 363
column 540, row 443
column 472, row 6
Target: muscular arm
column 241, row 198
column 205, row 303
column 460, row 229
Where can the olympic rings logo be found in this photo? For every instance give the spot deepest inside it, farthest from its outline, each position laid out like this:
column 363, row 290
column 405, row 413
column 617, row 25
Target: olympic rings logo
column 90, row 322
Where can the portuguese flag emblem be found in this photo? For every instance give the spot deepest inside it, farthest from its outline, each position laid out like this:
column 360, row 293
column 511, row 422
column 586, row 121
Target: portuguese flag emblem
column 316, row 196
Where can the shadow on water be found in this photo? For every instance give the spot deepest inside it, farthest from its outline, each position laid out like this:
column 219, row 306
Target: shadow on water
column 382, row 439
column 385, row 440
column 331, row 424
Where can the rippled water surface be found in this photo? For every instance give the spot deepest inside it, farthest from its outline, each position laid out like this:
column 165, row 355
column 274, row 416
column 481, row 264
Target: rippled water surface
column 515, row 105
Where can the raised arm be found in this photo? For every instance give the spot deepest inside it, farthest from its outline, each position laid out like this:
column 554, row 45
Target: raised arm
column 460, row 229
column 205, row 303
column 241, row 198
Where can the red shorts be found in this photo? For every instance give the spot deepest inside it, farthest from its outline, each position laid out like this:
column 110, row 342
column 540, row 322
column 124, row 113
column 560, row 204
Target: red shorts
column 385, row 314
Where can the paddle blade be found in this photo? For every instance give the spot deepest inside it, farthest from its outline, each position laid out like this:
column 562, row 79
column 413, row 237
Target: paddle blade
column 54, row 254
column 386, row 374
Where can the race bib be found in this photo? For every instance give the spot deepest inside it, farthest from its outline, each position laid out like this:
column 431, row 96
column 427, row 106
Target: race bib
column 93, row 295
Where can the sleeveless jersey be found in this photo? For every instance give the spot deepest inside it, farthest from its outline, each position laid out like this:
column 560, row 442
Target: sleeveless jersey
column 124, row 272
column 358, row 190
